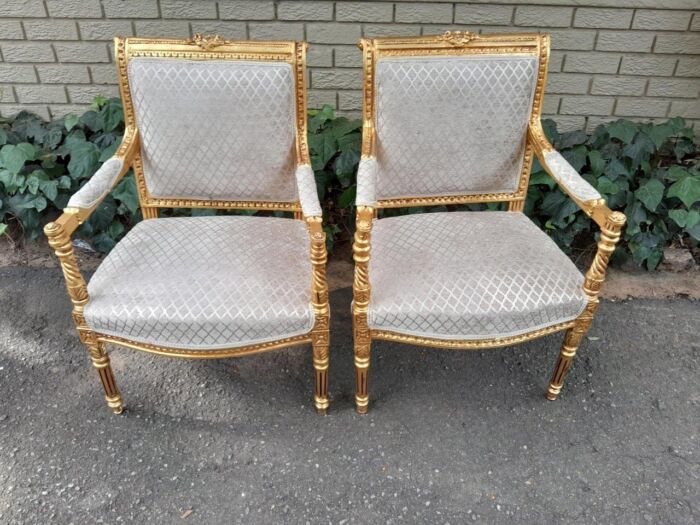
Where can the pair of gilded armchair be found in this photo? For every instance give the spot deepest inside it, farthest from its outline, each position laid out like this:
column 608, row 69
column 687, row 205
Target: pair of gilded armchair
column 450, row 119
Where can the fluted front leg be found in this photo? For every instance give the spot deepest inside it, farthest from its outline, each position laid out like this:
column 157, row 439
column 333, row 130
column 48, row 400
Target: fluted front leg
column 100, row 360
column 319, row 300
column 609, row 236
column 360, row 304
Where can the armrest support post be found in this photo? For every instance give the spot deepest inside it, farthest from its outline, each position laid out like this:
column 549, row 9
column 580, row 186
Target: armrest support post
column 610, row 222
column 59, row 235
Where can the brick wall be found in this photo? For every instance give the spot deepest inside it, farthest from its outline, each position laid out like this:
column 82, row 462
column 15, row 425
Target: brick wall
column 610, row 58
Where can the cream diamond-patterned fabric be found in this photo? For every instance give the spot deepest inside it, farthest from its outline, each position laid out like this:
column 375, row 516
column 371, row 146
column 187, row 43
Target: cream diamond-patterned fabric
column 469, row 275
column 308, row 194
column 205, row 283
column 98, row 185
column 215, row 129
column 569, row 178
column 452, row 125
column 367, row 182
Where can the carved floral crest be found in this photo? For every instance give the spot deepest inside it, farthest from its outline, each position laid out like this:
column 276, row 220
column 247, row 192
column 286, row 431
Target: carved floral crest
column 207, row 42
column 458, row 38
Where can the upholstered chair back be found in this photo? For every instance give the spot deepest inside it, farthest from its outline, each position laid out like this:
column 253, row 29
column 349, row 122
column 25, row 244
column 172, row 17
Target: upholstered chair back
column 452, row 125
column 215, row 129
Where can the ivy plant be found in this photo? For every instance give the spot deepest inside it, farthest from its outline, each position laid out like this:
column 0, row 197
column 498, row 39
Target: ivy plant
column 648, row 171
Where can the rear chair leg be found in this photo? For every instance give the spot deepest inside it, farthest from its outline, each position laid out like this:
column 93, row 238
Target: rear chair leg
column 100, row 360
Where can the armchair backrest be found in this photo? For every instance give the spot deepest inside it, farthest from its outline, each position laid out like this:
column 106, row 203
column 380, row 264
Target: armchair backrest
column 221, row 123
column 446, row 116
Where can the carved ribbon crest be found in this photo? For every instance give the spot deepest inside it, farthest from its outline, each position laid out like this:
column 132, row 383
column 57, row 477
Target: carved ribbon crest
column 207, row 42
column 458, row 38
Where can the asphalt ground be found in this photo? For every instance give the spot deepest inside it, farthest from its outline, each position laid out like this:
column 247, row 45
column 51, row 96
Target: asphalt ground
column 451, row 436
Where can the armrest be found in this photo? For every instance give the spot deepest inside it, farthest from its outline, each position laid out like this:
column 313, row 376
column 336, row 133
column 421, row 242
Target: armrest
column 308, row 194
column 367, row 182
column 87, row 198
column 568, row 179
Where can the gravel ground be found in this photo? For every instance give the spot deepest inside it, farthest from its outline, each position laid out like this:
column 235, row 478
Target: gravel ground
column 451, row 437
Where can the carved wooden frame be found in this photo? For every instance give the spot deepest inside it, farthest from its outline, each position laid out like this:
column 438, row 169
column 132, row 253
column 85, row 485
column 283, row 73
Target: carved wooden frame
column 59, row 231
column 611, row 223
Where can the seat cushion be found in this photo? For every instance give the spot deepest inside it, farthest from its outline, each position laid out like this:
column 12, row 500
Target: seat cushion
column 469, row 275
column 205, row 283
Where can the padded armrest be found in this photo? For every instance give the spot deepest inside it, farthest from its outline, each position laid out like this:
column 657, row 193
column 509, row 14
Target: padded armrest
column 367, row 182
column 568, row 178
column 308, row 194
column 98, row 186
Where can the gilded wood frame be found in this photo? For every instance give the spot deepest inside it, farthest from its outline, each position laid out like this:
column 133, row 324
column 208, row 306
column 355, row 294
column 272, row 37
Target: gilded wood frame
column 611, row 223
column 59, row 231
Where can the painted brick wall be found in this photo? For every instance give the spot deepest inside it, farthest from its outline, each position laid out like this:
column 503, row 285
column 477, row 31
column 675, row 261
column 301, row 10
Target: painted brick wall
column 610, row 58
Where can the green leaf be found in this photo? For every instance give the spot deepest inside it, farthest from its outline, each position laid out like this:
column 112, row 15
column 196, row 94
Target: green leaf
column 111, row 114
column 676, row 173
column 347, row 198
column 13, row 157
column 346, row 163
column 323, row 149
column 651, row 193
column 623, row 130
column 615, row 168
column 597, row 162
column 605, row 185
column 102, row 242
column 640, row 149
column 126, row 193
column 92, row 120
column 686, row 189
column 49, row 188
column 3, row 136
column 679, row 217
column 694, row 231
column 101, row 218
column 659, row 133
column 64, row 182
column 3, row 228
column 83, row 160
column 542, row 177
column 571, row 138
column 53, row 138
column 319, row 118
column 70, row 121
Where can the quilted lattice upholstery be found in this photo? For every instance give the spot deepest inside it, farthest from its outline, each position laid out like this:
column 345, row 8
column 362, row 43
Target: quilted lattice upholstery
column 469, row 275
column 308, row 194
column 452, row 125
column 216, row 129
column 569, row 178
column 98, row 186
column 205, row 283
column 366, row 182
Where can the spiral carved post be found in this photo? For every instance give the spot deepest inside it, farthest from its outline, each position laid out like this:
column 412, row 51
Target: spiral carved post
column 59, row 240
column 610, row 233
column 320, row 334
column 360, row 305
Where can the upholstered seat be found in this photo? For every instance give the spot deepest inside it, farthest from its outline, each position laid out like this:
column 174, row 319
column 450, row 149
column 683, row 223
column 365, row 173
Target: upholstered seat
column 469, row 275
column 205, row 283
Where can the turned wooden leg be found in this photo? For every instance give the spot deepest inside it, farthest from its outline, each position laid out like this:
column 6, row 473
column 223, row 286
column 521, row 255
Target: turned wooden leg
column 361, row 377
column 100, row 360
column 321, row 361
column 572, row 340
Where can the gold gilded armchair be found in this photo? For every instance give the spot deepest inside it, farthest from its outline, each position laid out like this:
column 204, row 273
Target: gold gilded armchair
column 455, row 119
column 210, row 124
